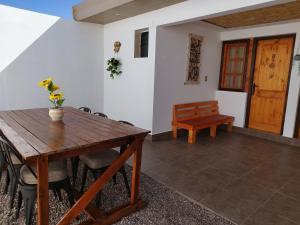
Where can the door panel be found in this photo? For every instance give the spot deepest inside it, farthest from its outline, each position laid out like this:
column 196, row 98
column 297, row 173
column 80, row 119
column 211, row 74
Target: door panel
column 270, row 83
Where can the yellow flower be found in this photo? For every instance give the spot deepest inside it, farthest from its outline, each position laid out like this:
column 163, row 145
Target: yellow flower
column 45, row 83
column 55, row 87
column 56, row 97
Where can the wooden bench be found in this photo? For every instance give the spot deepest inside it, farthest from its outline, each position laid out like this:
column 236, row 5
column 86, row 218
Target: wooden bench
column 199, row 115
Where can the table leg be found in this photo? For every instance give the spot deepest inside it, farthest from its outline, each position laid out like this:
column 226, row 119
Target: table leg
column 136, row 173
column 84, row 201
column 42, row 190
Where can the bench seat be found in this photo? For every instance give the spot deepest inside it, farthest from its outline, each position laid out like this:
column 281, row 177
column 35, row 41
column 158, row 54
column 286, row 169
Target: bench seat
column 197, row 116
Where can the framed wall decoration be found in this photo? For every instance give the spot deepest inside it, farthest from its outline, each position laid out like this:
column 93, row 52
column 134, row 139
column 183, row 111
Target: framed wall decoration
column 194, row 55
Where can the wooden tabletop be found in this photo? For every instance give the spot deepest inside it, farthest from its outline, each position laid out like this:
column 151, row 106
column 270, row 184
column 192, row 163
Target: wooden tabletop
column 33, row 133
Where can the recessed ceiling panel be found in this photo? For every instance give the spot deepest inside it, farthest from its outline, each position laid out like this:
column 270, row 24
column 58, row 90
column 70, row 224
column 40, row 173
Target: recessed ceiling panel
column 122, row 11
column 278, row 13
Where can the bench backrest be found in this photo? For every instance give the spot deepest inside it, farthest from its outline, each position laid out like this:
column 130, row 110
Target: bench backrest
column 194, row 110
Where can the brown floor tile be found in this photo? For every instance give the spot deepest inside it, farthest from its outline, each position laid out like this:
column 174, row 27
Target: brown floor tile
column 291, row 189
column 236, row 167
column 264, row 217
column 234, row 208
column 285, row 207
column 270, row 176
column 214, row 177
column 243, row 178
column 245, row 189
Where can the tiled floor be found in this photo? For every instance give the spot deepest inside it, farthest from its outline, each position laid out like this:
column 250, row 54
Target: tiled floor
column 249, row 180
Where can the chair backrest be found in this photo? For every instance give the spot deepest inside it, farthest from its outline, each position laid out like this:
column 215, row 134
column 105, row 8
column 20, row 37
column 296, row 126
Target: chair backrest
column 85, row 109
column 2, row 156
column 125, row 122
column 101, row 114
column 7, row 151
column 194, row 110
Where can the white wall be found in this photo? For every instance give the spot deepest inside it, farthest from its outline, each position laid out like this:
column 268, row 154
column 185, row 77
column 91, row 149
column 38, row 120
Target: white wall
column 172, row 48
column 233, row 104
column 16, row 23
column 131, row 97
column 70, row 52
column 293, row 94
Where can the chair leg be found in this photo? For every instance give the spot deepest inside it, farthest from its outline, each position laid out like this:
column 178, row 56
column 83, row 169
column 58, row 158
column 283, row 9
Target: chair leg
column 85, row 171
column 58, row 193
column 96, row 174
column 75, row 163
column 13, row 191
column 98, row 200
column 123, row 171
column 7, row 181
column 20, row 199
column 115, row 179
column 55, row 194
column 68, row 188
column 29, row 196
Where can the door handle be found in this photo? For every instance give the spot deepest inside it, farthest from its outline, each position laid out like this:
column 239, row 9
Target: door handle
column 254, row 86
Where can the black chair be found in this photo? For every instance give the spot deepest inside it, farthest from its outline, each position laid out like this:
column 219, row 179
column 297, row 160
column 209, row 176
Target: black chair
column 125, row 122
column 101, row 114
column 98, row 163
column 3, row 165
column 11, row 181
column 85, row 109
column 75, row 160
column 58, row 179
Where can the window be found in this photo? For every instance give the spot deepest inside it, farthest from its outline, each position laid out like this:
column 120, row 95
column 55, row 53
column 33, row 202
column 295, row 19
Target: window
column 141, row 43
column 234, row 65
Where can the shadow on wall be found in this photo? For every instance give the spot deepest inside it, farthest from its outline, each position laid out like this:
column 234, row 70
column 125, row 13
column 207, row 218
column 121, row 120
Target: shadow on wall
column 71, row 53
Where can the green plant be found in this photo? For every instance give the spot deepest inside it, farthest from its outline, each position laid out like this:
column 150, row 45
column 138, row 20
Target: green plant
column 113, row 66
column 55, row 98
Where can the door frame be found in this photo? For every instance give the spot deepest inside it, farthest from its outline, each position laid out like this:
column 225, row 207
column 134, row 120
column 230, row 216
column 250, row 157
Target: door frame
column 297, row 122
column 253, row 61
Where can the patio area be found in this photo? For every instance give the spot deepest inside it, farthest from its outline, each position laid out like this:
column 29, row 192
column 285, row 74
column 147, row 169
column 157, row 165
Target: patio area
column 248, row 180
column 114, row 112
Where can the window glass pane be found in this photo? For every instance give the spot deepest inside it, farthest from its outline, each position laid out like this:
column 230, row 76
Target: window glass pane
column 144, row 44
column 241, row 52
column 239, row 82
column 228, row 81
column 230, row 67
column 232, row 52
column 239, row 67
column 234, row 64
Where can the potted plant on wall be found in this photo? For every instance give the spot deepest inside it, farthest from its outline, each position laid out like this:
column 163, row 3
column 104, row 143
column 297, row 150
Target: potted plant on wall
column 114, row 64
column 56, row 112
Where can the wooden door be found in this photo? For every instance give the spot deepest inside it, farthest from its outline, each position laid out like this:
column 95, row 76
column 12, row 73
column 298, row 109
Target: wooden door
column 270, row 84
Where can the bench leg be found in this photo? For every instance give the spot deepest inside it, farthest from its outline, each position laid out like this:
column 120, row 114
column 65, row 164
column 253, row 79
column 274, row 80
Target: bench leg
column 213, row 131
column 174, row 131
column 229, row 126
column 192, row 136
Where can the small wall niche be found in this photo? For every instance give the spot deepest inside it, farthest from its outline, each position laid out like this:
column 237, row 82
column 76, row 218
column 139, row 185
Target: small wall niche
column 141, row 43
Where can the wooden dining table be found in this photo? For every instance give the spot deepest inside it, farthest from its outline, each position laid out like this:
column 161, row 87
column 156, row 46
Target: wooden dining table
column 38, row 140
